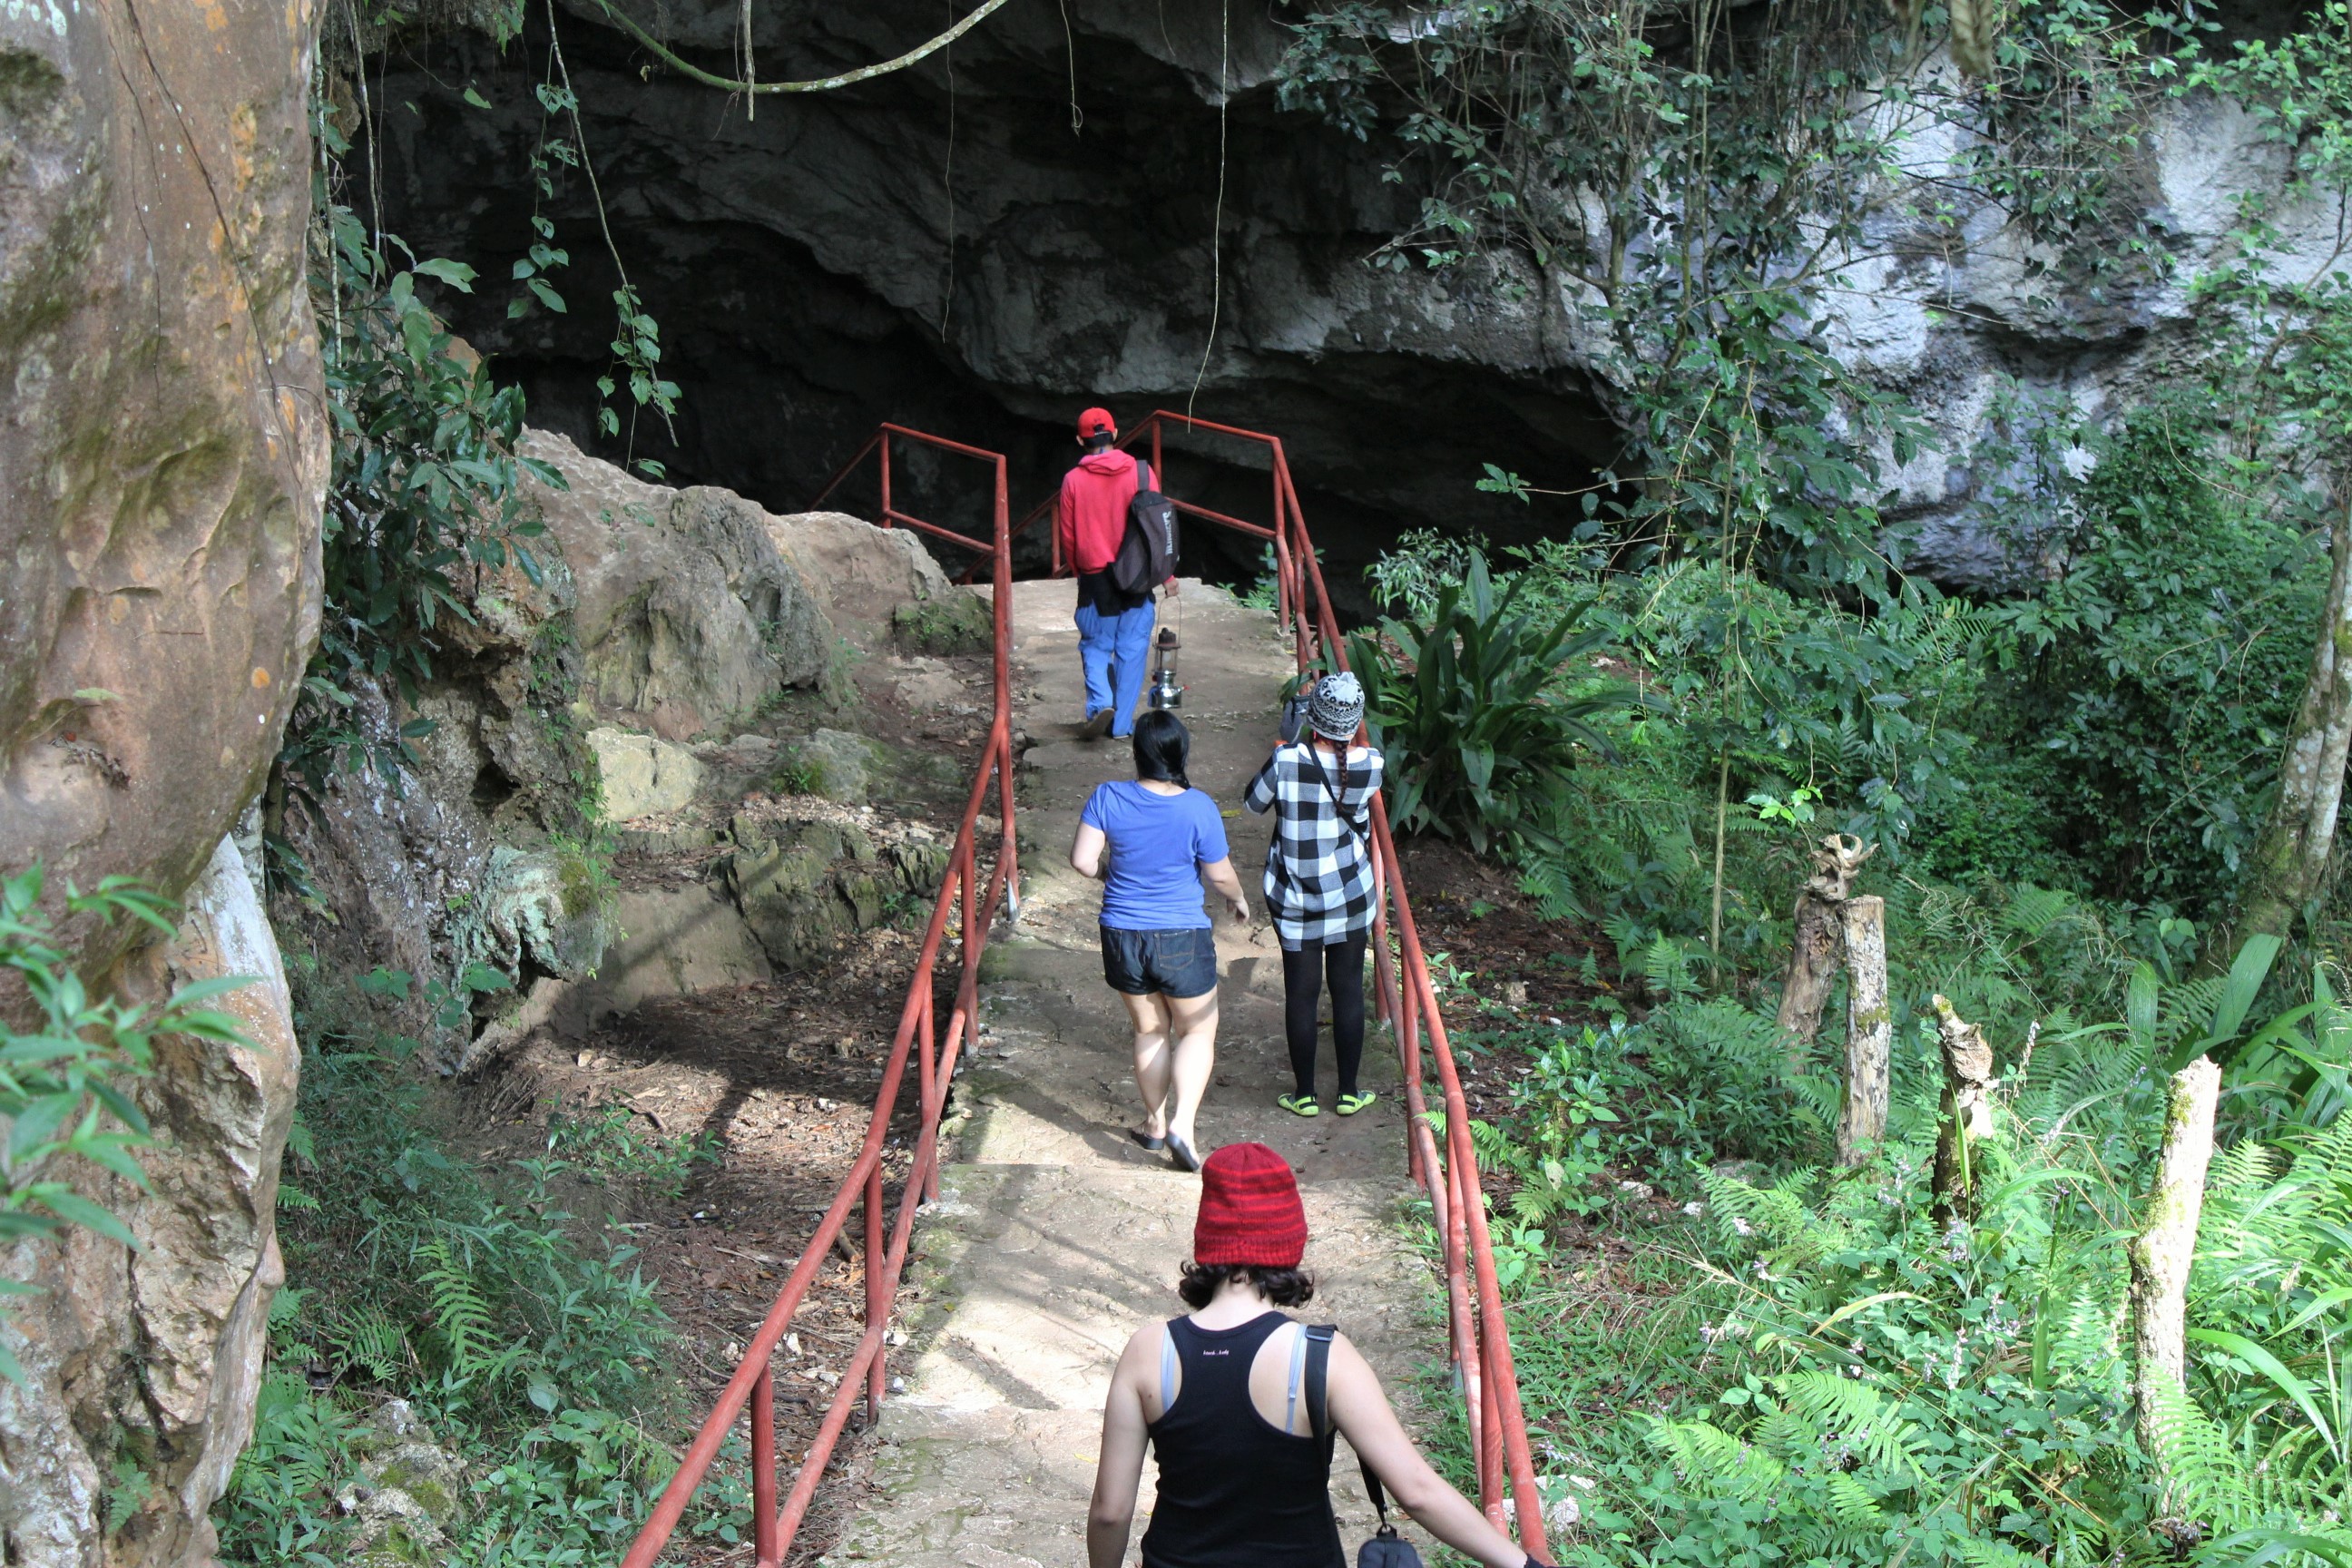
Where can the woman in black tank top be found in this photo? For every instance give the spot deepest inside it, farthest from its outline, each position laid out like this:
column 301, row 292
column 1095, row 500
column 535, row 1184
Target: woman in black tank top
column 1221, row 1397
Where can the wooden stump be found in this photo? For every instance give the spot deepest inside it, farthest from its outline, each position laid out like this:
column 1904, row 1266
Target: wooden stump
column 1869, row 1031
column 1819, row 945
column 1967, row 1113
column 2161, row 1253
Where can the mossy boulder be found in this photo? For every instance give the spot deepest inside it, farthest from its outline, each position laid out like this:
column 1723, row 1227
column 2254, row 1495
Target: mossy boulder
column 832, row 763
column 803, row 888
column 954, row 622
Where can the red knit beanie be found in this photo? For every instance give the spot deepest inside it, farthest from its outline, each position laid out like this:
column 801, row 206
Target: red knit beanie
column 1249, row 1210
column 1096, row 422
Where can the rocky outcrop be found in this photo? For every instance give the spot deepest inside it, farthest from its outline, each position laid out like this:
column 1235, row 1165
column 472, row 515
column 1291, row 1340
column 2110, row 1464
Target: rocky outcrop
column 643, row 776
column 164, row 451
column 593, row 698
column 777, row 885
column 856, row 566
column 141, row 1368
column 660, row 609
column 684, row 613
column 163, row 459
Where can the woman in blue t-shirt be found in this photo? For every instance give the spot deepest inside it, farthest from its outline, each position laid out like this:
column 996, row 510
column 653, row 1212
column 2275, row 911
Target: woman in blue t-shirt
column 1159, row 951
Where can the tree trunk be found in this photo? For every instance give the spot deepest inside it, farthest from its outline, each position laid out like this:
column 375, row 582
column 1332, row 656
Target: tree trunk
column 1869, row 1031
column 2167, row 1244
column 2291, row 861
column 1967, row 1113
column 1819, row 944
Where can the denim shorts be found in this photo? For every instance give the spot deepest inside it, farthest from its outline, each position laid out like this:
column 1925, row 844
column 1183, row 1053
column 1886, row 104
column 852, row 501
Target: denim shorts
column 1179, row 964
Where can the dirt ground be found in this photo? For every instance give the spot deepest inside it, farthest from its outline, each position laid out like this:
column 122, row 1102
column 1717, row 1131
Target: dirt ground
column 776, row 1082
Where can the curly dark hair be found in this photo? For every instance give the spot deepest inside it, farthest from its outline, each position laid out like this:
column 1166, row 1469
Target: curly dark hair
column 1283, row 1287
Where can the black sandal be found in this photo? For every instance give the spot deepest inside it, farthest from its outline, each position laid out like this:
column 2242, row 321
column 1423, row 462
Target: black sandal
column 1145, row 1139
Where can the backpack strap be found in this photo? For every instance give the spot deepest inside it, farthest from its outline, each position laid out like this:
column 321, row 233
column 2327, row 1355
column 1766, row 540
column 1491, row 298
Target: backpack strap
column 1317, row 1341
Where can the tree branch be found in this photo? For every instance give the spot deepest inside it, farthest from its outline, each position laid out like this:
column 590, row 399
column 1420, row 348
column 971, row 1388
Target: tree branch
column 819, row 84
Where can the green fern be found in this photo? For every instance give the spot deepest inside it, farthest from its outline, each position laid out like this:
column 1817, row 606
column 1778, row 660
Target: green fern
column 364, row 1339
column 1855, row 1416
column 460, row 1316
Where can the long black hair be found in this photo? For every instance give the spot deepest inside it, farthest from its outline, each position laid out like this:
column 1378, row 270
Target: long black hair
column 1161, row 746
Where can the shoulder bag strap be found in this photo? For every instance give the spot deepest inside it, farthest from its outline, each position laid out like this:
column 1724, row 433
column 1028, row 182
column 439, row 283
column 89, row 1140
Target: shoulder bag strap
column 1338, row 806
column 1319, row 1410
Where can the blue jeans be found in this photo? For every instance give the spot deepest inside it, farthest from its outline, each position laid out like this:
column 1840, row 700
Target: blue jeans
column 1113, row 650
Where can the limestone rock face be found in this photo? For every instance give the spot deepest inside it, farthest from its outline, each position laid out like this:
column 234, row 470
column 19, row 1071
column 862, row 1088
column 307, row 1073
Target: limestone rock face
column 668, row 609
column 643, row 776
column 862, row 571
column 164, row 450
column 687, row 615
column 155, row 1357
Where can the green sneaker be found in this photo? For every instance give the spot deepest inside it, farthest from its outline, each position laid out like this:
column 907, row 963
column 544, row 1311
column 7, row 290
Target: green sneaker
column 1352, row 1103
column 1301, row 1104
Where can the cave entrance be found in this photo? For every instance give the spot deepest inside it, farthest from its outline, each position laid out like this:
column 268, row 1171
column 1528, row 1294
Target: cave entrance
column 816, row 270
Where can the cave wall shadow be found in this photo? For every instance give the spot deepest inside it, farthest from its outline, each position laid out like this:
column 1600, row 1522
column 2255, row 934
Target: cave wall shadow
column 807, row 287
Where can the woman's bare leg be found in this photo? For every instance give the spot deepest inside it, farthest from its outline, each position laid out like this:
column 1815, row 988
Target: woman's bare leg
column 1148, row 1014
column 1192, row 1057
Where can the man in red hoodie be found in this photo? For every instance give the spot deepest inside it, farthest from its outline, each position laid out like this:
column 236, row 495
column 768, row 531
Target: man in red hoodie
column 1114, row 630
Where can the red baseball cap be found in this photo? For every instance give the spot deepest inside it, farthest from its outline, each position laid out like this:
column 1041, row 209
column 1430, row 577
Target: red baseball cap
column 1249, row 1210
column 1095, row 422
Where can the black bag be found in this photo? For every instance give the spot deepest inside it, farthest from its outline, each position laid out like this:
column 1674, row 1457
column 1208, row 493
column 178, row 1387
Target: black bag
column 1386, row 1549
column 1147, row 551
column 1297, row 694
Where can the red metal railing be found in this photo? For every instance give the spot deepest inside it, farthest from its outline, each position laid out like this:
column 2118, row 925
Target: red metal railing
column 889, row 516
column 934, row 1052
column 1480, row 1343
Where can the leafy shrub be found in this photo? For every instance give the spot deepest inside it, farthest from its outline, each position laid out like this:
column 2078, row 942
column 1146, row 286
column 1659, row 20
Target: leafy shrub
column 607, row 1144
column 1481, row 710
column 64, row 1065
column 525, row 1337
column 426, row 486
column 2157, row 673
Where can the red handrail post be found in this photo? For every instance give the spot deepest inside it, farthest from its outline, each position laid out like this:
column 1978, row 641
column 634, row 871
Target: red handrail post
column 1009, row 848
column 877, row 1305
column 927, row 1051
column 887, row 508
column 766, row 1544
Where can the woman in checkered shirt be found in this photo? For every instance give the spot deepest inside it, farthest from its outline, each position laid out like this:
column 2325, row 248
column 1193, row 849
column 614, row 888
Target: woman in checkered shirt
column 1321, row 884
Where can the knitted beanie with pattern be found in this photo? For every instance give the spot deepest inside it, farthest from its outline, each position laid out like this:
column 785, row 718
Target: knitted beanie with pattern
column 1250, row 1210
column 1335, row 710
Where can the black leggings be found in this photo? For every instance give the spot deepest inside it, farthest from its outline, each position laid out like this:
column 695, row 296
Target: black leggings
column 1342, row 964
